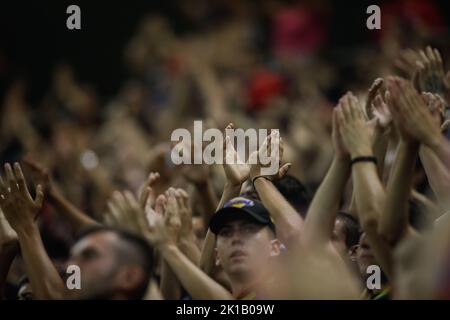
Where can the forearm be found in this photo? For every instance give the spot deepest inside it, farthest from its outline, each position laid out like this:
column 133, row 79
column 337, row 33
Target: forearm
column 441, row 148
column 437, row 173
column 207, row 254
column 44, row 279
column 229, row 192
column 153, row 292
column 287, row 220
column 369, row 199
column 195, row 281
column 394, row 218
column 190, row 249
column 319, row 221
column 369, row 193
column 170, row 286
column 75, row 217
column 380, row 145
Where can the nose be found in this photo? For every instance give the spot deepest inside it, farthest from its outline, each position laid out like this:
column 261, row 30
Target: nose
column 236, row 238
column 364, row 242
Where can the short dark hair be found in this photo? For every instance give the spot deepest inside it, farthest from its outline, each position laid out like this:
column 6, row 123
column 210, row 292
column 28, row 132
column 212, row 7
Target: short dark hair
column 351, row 228
column 294, row 192
column 133, row 249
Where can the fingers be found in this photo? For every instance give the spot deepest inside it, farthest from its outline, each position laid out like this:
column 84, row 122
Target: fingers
column 143, row 198
column 39, row 199
column 160, row 205
column 120, row 204
column 345, row 107
column 373, row 92
column 334, row 121
column 340, row 118
column 3, row 188
column 445, row 125
column 10, row 179
column 21, row 179
column 284, row 170
column 439, row 60
column 113, row 218
column 185, row 198
column 152, row 178
column 130, row 200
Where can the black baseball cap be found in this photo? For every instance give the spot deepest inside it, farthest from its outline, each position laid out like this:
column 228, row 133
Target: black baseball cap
column 238, row 208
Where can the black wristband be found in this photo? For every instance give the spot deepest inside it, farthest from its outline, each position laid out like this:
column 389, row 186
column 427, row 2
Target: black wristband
column 364, row 159
column 254, row 179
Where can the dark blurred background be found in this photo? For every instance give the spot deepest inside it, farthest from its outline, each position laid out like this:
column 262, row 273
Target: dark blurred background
column 34, row 37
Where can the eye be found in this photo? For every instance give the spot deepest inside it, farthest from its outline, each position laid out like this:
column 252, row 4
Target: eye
column 225, row 232
column 89, row 254
column 250, row 228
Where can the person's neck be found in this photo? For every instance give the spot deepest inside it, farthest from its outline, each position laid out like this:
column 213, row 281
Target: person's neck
column 243, row 283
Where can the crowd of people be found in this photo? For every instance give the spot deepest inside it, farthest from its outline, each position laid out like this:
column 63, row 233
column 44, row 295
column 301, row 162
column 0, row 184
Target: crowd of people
column 359, row 208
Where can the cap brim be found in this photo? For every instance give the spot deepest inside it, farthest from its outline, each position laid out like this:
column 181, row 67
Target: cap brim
column 225, row 215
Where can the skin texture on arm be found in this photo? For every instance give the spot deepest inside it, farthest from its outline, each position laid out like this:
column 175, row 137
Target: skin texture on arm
column 368, row 190
column 20, row 210
column 287, row 220
column 162, row 234
column 437, row 173
column 394, row 220
column 9, row 247
column 321, row 214
column 406, row 100
column 195, row 281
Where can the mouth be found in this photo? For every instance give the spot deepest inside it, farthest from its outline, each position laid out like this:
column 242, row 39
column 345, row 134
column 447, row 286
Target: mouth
column 237, row 254
column 367, row 256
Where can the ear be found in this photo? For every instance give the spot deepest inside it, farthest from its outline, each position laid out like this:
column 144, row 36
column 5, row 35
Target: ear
column 352, row 252
column 275, row 247
column 217, row 257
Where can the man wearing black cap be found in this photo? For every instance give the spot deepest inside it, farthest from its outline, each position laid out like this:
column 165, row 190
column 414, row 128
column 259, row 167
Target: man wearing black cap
column 246, row 245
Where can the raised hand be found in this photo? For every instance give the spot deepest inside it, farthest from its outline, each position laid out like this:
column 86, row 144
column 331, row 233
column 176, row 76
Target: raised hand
column 272, row 142
column 406, row 63
column 124, row 212
column 410, row 112
column 19, row 208
column 373, row 92
column 185, row 213
column 381, row 111
column 338, row 145
column 355, row 132
column 436, row 105
column 429, row 75
column 147, row 196
column 236, row 171
column 38, row 174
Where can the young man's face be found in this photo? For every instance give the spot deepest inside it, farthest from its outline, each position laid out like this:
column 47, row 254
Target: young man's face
column 94, row 255
column 244, row 247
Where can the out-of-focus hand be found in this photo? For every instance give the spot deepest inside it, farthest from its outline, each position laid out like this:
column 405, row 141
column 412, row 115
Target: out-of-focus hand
column 410, row 112
column 429, row 75
column 236, row 170
column 272, row 142
column 19, row 208
column 338, row 145
column 355, row 132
